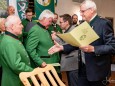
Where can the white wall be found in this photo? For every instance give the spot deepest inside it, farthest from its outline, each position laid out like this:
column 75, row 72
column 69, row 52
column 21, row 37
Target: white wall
column 66, row 6
column 106, row 8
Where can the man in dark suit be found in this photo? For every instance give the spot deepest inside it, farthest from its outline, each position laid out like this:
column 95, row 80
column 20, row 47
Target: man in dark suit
column 94, row 66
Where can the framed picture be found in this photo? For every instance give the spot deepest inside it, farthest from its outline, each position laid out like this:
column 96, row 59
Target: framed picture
column 111, row 19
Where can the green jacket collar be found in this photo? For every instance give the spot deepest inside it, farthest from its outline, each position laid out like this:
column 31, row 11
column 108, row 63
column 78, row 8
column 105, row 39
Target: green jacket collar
column 29, row 20
column 12, row 35
column 41, row 25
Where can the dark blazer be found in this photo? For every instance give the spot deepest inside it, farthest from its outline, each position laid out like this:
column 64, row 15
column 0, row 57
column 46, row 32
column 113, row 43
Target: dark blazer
column 98, row 63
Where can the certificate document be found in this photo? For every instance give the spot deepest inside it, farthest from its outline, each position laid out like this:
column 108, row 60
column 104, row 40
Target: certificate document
column 80, row 36
column 55, row 64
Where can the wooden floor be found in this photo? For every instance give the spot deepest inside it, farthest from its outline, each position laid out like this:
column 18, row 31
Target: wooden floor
column 111, row 79
column 64, row 78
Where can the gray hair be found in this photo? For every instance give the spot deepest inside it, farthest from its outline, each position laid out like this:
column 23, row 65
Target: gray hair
column 47, row 14
column 11, row 20
column 89, row 4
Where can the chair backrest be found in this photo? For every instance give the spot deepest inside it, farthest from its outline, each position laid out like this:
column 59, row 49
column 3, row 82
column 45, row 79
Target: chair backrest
column 46, row 76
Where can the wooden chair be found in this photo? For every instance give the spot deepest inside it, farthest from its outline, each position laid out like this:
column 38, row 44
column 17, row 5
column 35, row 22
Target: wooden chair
column 41, row 77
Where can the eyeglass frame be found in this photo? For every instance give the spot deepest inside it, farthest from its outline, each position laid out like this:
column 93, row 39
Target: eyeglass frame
column 83, row 11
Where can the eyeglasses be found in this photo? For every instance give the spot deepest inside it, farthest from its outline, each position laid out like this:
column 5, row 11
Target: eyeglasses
column 61, row 22
column 29, row 15
column 82, row 11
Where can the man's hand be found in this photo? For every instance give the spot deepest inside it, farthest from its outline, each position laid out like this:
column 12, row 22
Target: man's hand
column 55, row 48
column 53, row 35
column 43, row 65
column 87, row 48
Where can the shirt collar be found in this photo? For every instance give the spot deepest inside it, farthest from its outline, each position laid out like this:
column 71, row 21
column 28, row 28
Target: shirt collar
column 93, row 17
column 29, row 20
column 91, row 22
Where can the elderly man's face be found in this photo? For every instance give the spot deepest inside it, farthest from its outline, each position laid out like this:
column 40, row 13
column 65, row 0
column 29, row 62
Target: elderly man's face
column 48, row 21
column 17, row 27
column 85, row 13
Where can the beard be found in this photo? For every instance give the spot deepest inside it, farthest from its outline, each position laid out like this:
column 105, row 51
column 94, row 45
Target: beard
column 74, row 22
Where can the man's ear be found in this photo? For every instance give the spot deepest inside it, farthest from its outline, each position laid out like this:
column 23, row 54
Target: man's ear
column 92, row 10
column 66, row 22
column 12, row 26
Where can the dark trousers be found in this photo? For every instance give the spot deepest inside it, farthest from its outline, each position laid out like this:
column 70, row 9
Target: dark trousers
column 83, row 81
column 72, row 77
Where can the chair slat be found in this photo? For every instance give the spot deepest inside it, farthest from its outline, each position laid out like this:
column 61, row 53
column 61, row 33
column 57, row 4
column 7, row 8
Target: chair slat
column 43, row 79
column 41, row 74
column 34, row 80
column 51, row 78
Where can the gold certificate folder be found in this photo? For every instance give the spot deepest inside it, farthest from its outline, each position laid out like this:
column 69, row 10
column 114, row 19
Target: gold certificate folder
column 80, row 36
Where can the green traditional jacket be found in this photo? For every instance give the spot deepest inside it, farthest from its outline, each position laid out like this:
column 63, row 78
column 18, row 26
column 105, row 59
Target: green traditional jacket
column 0, row 41
column 37, row 43
column 55, row 28
column 14, row 59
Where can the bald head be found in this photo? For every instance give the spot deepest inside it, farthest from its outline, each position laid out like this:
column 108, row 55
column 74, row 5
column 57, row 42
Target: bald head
column 11, row 10
column 11, row 20
column 13, row 25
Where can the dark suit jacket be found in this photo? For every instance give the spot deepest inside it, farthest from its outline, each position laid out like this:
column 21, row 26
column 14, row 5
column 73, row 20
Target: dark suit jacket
column 98, row 63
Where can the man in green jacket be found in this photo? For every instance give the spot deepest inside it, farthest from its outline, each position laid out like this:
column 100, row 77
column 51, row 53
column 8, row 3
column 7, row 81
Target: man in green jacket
column 2, row 29
column 13, row 57
column 38, row 41
column 28, row 19
column 29, row 15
